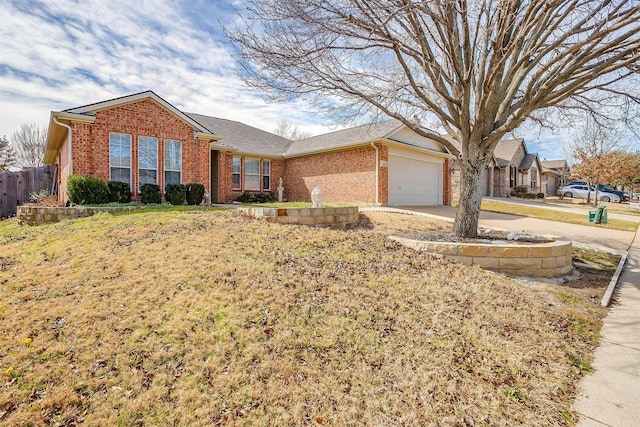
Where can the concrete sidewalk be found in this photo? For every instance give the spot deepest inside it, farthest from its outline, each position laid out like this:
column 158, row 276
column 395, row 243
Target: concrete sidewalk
column 610, row 396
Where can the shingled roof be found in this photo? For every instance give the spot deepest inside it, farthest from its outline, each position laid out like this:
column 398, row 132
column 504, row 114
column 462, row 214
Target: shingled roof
column 506, row 150
column 343, row 138
column 244, row 138
column 554, row 164
column 527, row 161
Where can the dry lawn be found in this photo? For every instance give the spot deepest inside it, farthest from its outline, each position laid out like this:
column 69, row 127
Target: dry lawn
column 210, row 318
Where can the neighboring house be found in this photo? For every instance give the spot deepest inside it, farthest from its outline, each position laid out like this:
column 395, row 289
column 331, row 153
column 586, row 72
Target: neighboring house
column 511, row 166
column 555, row 174
column 141, row 138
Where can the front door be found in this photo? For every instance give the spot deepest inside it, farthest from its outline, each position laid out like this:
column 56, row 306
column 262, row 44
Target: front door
column 215, row 176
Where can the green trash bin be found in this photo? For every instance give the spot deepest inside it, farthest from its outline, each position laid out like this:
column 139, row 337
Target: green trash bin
column 604, row 215
column 592, row 216
column 600, row 213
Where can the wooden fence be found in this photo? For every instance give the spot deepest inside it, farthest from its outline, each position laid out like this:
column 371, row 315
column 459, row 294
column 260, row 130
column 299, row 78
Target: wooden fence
column 15, row 187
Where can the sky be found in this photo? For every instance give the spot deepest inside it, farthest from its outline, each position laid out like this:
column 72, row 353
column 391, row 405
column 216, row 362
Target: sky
column 61, row 54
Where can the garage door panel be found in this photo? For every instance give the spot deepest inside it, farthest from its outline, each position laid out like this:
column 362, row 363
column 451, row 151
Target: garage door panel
column 414, row 181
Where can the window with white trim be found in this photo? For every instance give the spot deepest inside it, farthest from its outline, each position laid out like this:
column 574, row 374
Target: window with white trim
column 120, row 157
column 266, row 175
column 172, row 162
column 235, row 173
column 147, row 160
column 252, row 174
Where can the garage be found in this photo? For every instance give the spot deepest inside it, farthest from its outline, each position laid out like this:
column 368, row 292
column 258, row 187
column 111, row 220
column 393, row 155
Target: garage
column 414, row 179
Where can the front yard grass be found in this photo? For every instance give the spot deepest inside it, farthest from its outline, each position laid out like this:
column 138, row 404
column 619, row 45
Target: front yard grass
column 211, row 318
column 554, row 215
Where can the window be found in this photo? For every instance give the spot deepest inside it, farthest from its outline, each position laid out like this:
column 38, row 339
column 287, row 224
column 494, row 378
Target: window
column 252, row 174
column 172, row 162
column 512, row 176
column 235, row 174
column 534, row 178
column 120, row 157
column 266, row 175
column 147, row 160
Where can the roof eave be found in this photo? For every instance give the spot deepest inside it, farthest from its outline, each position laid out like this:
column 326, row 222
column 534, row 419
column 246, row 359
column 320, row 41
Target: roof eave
column 57, row 133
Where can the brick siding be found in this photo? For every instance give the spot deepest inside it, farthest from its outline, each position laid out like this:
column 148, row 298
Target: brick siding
column 343, row 176
column 90, row 144
column 225, row 178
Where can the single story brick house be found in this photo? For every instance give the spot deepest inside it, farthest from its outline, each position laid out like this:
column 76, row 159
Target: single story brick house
column 511, row 166
column 141, row 138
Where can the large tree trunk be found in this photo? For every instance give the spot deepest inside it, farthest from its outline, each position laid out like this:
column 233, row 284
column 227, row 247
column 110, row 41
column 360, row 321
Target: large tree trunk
column 473, row 176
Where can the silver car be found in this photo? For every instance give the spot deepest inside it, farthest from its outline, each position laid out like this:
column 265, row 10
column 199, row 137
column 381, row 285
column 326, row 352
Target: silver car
column 580, row 191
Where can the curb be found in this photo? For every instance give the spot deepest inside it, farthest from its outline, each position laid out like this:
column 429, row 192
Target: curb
column 608, row 295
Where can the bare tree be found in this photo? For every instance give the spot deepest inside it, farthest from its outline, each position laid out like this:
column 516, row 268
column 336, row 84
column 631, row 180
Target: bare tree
column 481, row 67
column 288, row 130
column 7, row 156
column 28, row 143
column 596, row 153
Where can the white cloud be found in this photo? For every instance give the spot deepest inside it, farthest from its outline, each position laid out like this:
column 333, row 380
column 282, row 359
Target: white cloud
column 59, row 54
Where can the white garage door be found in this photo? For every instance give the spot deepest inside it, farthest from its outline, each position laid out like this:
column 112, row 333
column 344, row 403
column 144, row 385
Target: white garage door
column 414, row 180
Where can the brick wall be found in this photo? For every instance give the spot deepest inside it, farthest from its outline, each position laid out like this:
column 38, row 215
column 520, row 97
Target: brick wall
column 143, row 118
column 344, row 176
column 225, row 176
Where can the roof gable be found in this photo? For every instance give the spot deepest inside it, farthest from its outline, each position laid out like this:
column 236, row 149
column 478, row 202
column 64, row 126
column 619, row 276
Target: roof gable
column 554, row 164
column 506, row 150
column 91, row 109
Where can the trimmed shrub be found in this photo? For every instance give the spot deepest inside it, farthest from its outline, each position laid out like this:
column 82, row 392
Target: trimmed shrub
column 265, row 197
column 540, row 195
column 119, row 192
column 150, row 194
column 245, row 197
column 175, row 194
column 249, row 197
column 87, row 190
column 194, row 193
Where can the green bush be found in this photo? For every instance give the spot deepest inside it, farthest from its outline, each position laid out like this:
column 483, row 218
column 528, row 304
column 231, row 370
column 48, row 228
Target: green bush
column 245, row 197
column 540, row 195
column 87, row 190
column 249, row 197
column 194, row 193
column 528, row 196
column 265, row 197
column 150, row 193
column 175, row 194
column 119, row 192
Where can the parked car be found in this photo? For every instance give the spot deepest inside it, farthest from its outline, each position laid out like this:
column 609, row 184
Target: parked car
column 606, row 188
column 580, row 191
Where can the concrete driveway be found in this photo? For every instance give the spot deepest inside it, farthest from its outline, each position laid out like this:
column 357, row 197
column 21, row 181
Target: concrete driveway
column 592, row 236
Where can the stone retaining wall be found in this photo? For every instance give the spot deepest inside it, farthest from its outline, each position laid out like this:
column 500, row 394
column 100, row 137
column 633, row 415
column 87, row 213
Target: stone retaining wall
column 38, row 215
column 533, row 260
column 344, row 217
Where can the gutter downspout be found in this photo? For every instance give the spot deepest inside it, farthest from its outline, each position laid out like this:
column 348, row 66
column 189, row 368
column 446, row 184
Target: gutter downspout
column 70, row 134
column 377, row 172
